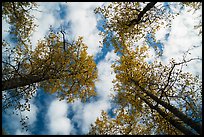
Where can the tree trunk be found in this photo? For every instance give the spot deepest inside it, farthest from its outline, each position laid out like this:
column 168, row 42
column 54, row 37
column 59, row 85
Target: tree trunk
column 141, row 14
column 22, row 81
column 196, row 126
column 171, row 120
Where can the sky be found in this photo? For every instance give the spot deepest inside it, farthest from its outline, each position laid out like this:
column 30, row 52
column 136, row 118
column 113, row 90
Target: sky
column 48, row 115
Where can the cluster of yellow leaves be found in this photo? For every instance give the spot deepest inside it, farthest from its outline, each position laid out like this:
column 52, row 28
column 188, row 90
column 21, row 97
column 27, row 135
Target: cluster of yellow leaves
column 123, row 124
column 120, row 14
column 132, row 66
column 17, row 14
column 70, row 73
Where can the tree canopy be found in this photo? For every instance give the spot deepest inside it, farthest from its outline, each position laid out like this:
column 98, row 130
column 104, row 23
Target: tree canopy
column 56, row 65
column 161, row 98
column 151, row 97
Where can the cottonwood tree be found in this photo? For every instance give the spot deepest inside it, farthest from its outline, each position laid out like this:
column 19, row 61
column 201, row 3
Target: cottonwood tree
column 159, row 94
column 73, row 68
column 59, row 67
column 163, row 98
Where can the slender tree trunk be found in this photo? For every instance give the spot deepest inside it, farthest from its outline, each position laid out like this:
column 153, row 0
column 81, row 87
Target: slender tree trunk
column 196, row 126
column 171, row 120
column 141, row 14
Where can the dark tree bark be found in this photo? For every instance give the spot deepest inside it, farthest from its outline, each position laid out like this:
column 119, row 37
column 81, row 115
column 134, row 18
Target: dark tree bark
column 141, row 14
column 196, row 126
column 176, row 112
column 22, row 81
column 171, row 120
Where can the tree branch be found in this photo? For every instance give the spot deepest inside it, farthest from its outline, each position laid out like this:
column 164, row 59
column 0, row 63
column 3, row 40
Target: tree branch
column 141, row 14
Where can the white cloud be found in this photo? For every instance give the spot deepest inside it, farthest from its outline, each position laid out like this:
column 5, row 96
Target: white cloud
column 182, row 37
column 152, row 55
column 82, row 18
column 105, row 75
column 58, row 121
column 85, row 114
column 5, row 28
column 161, row 33
column 83, row 23
column 19, row 132
column 92, row 111
column 44, row 19
column 175, row 7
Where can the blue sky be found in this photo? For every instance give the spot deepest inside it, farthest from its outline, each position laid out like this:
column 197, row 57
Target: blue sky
column 50, row 116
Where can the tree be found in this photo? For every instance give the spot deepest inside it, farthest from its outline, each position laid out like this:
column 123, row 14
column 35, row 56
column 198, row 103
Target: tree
column 57, row 66
column 150, row 89
column 157, row 93
column 50, row 63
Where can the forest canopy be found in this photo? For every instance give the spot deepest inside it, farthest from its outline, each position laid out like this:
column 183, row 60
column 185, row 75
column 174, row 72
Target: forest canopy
column 130, row 68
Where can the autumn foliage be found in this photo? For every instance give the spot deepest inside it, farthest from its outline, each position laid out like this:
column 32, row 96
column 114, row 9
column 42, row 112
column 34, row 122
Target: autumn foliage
column 151, row 97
